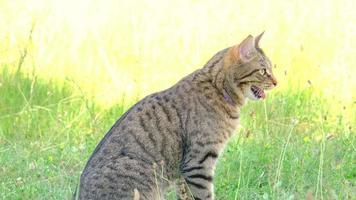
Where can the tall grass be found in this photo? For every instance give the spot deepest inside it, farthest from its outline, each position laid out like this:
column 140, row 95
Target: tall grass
column 45, row 130
column 299, row 154
column 69, row 69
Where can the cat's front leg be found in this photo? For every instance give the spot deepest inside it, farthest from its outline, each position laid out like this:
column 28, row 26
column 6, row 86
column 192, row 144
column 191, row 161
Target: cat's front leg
column 198, row 172
column 200, row 184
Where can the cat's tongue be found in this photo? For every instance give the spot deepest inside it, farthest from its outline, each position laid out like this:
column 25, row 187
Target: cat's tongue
column 262, row 94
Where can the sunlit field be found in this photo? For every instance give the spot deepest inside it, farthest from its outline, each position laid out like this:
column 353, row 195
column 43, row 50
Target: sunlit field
column 70, row 69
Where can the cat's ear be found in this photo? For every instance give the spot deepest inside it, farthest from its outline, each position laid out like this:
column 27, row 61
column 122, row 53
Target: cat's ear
column 258, row 38
column 246, row 49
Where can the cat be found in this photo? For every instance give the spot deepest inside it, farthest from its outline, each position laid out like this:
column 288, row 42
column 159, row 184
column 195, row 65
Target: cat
column 177, row 135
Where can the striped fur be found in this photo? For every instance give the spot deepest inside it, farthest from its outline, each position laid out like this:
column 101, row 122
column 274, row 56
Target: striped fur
column 178, row 133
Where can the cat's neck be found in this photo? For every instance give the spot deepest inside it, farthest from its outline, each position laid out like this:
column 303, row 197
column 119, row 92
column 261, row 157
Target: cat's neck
column 203, row 85
column 217, row 73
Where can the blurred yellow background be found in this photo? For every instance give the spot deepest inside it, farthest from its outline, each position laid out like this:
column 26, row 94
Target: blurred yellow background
column 110, row 48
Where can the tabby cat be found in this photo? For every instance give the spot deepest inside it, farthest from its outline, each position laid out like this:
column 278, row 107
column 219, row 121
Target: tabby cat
column 176, row 135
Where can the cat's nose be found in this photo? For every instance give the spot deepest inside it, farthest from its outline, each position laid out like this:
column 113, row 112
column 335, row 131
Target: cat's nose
column 274, row 81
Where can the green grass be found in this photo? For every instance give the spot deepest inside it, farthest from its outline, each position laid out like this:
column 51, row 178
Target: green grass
column 298, row 151
column 288, row 145
column 78, row 59
column 46, row 136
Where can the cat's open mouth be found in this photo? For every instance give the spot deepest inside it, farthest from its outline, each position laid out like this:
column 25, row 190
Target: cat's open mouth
column 258, row 92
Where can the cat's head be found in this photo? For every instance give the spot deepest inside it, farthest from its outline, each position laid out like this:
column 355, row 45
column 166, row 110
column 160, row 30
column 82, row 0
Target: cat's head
column 250, row 70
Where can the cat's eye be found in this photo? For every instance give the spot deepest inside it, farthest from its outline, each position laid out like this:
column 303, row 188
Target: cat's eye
column 263, row 71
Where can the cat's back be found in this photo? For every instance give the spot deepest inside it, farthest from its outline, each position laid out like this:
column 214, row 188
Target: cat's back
column 147, row 137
